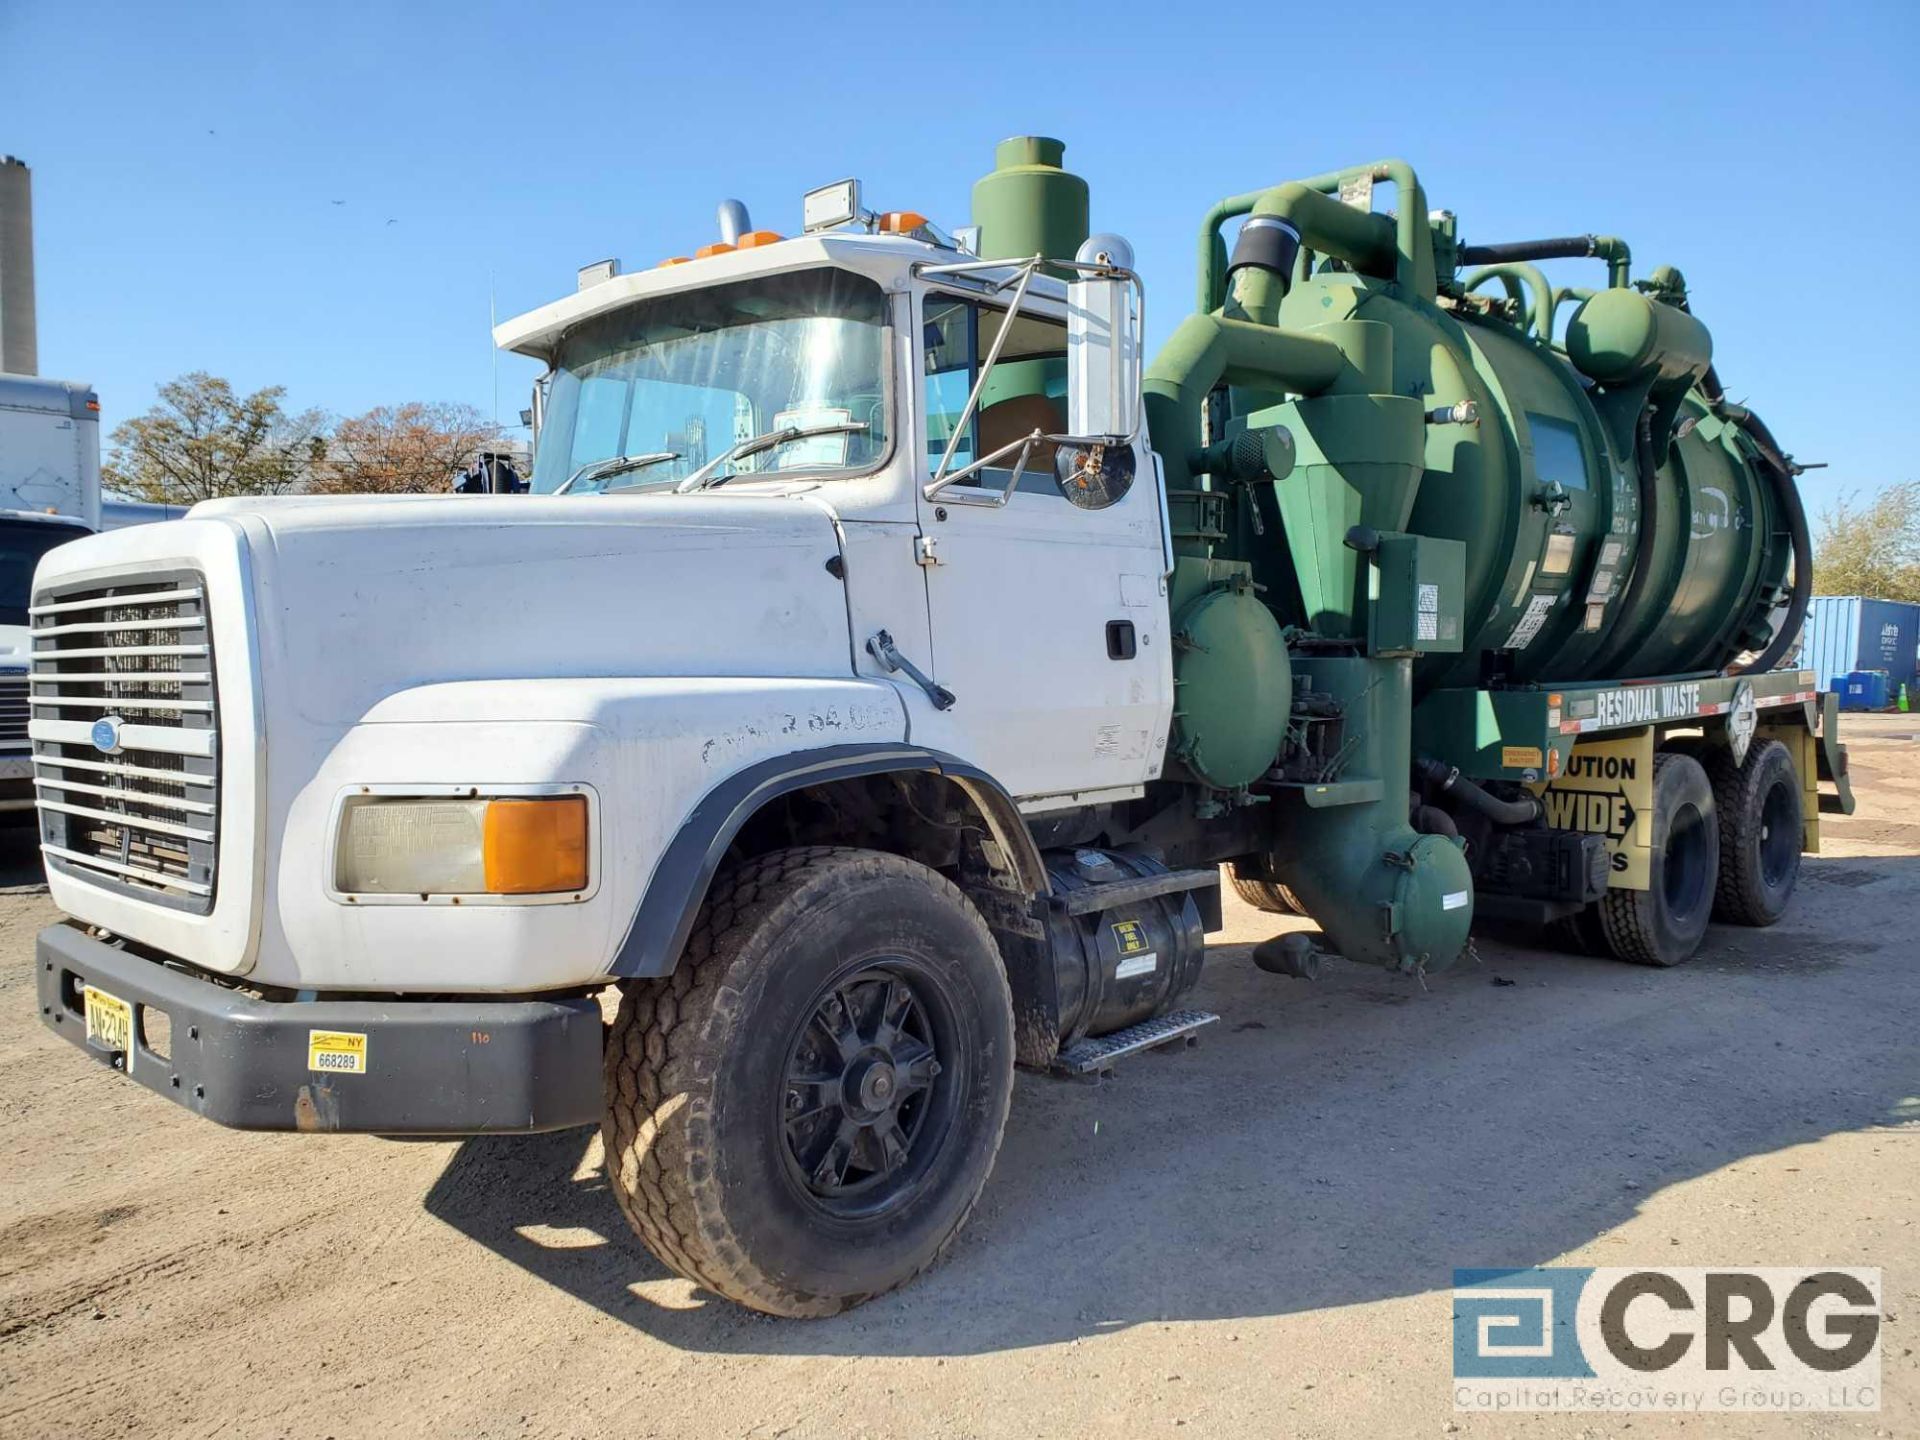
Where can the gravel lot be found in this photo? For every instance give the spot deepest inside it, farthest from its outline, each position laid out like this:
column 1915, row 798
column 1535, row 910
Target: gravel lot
column 1252, row 1237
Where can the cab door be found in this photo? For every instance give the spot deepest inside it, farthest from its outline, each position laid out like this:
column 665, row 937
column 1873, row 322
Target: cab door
column 1048, row 620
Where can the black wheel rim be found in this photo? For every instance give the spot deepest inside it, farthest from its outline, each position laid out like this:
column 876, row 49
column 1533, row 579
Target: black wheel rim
column 1686, row 878
column 868, row 1095
column 1779, row 835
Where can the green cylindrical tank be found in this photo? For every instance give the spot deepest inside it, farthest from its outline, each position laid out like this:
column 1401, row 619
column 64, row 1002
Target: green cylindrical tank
column 1233, row 685
column 1029, row 205
column 1620, row 336
column 1617, row 523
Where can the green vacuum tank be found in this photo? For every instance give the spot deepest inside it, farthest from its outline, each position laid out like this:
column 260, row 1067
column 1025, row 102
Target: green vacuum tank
column 1619, row 519
column 1397, row 462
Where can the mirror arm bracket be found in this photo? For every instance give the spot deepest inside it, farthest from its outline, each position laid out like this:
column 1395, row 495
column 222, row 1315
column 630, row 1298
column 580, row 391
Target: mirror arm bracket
column 1019, row 280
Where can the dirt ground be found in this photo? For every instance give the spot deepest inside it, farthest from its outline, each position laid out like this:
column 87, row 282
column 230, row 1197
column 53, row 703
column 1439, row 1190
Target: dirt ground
column 1252, row 1237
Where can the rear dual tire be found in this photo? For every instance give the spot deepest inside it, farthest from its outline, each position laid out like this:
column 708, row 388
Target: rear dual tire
column 1727, row 840
column 1762, row 819
column 1253, row 882
column 1664, row 924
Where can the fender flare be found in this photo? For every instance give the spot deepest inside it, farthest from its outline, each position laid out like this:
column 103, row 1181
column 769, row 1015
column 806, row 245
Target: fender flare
column 679, row 884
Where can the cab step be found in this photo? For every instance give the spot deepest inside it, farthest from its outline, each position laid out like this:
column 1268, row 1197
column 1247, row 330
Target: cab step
column 1096, row 1057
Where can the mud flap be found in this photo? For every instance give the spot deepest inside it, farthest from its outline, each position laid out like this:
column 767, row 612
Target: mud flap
column 1833, row 759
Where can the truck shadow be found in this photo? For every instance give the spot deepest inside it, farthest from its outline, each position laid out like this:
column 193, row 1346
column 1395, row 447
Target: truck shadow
column 1322, row 1148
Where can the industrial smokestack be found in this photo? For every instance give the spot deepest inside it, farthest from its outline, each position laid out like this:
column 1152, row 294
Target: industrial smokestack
column 19, row 335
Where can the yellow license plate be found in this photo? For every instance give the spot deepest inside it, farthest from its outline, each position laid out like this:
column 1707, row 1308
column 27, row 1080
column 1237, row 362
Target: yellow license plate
column 109, row 1021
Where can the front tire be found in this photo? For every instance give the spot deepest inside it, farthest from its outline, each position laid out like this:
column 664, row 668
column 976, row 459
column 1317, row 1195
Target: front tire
column 1664, row 924
column 802, row 1116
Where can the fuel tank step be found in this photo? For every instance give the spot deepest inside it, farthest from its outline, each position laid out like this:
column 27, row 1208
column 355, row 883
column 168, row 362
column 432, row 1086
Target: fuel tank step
column 1095, row 1057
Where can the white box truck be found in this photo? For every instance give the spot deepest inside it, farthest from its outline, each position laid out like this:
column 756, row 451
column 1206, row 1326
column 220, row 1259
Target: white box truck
column 49, row 494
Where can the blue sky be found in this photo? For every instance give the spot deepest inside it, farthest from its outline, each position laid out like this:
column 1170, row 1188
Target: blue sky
column 186, row 158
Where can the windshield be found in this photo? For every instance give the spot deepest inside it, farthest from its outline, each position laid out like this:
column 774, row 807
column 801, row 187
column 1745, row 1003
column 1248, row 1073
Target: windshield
column 647, row 396
column 21, row 546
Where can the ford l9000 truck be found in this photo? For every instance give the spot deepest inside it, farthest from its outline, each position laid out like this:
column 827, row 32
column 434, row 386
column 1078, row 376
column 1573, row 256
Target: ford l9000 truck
column 894, row 660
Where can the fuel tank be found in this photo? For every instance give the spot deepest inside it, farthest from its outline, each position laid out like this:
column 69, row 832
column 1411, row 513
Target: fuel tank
column 1116, row 967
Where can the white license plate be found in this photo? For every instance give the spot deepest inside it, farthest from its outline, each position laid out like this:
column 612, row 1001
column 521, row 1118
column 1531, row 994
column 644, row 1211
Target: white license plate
column 109, row 1021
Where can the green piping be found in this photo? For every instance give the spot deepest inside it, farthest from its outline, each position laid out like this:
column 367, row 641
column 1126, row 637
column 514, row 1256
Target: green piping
column 1413, row 268
column 1536, row 306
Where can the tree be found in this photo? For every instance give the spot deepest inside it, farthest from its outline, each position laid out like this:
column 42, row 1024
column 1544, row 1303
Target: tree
column 1871, row 549
column 203, row 440
column 404, row 449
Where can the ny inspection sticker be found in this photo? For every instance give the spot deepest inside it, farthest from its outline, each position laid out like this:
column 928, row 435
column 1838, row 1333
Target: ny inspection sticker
column 337, row 1052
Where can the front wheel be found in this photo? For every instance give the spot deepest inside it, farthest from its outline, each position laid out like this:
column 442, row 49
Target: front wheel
column 802, row 1116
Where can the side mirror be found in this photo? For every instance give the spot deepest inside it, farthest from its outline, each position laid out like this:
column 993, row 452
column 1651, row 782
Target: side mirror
column 1103, row 342
column 534, row 416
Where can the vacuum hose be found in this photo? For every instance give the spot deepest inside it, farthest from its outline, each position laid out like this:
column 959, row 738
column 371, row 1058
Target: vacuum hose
column 1563, row 247
column 1779, row 471
column 1446, row 780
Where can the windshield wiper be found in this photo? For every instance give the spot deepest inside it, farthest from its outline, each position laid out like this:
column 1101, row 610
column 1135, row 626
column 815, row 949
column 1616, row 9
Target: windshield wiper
column 615, row 465
column 754, row 444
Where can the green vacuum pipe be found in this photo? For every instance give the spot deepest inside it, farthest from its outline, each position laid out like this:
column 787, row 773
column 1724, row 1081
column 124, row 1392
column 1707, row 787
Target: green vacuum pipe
column 1527, row 287
column 1207, row 349
column 1413, row 253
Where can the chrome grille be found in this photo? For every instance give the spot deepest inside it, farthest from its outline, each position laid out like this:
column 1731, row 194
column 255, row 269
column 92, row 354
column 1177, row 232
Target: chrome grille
column 126, row 739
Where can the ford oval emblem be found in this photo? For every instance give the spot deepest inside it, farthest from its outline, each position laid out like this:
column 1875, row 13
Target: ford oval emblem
column 106, row 734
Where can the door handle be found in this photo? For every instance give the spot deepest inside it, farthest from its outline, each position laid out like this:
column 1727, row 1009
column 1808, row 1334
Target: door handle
column 880, row 645
column 1122, row 644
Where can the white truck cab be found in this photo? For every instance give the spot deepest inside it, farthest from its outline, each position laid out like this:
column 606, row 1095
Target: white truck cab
column 886, row 336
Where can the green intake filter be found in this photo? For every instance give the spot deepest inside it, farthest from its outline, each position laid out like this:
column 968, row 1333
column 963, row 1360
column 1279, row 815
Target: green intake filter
column 1029, row 205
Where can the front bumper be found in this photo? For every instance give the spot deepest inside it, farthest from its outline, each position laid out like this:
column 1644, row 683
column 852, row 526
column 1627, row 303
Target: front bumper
column 431, row 1067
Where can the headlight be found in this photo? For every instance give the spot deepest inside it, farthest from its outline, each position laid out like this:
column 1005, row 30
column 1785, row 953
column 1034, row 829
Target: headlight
column 401, row 845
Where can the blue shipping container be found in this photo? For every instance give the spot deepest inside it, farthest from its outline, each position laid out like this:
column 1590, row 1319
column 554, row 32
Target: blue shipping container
column 1845, row 633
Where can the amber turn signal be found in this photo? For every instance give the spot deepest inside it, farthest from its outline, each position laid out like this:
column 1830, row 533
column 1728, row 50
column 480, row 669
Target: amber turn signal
column 536, row 846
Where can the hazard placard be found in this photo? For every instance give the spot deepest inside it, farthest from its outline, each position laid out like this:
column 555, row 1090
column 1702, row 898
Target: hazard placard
column 1607, row 789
